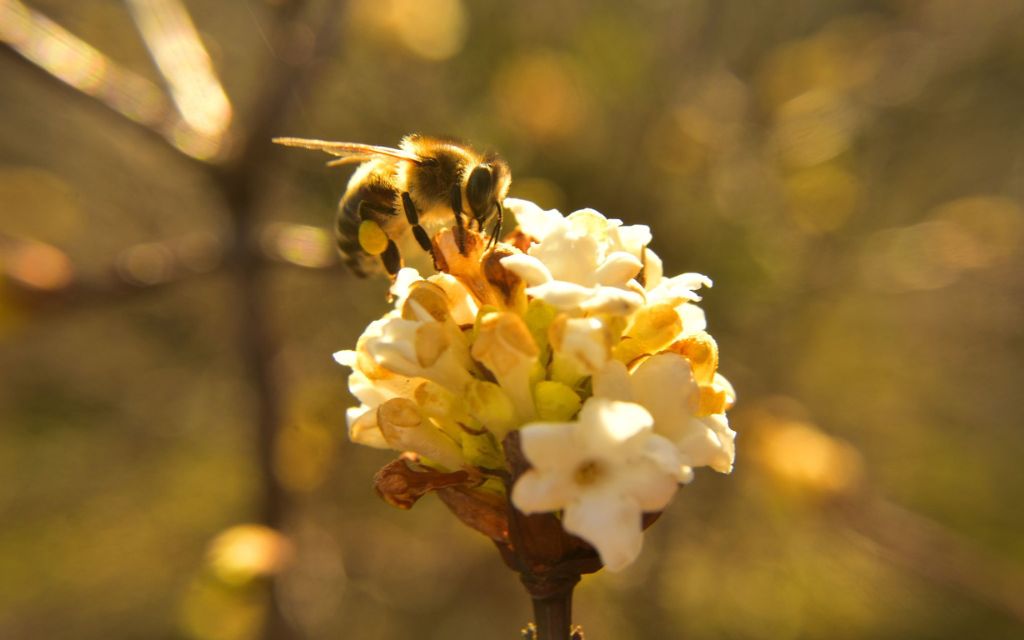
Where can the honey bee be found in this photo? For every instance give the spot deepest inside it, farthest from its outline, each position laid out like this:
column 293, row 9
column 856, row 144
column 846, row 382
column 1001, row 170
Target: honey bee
column 422, row 186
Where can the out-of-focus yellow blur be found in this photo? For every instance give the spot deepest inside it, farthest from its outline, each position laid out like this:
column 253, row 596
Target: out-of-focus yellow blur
column 851, row 175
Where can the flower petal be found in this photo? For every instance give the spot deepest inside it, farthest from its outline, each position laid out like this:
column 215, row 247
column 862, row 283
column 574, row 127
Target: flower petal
column 612, row 300
column 647, row 484
column 530, row 269
column 549, row 445
column 363, row 428
column 346, row 358
column 536, row 492
column 664, row 455
column 611, row 523
column 607, row 424
column 561, row 295
column 631, row 238
column 708, row 442
column 531, row 219
column 612, row 382
column 618, row 269
column 664, row 385
column 693, row 319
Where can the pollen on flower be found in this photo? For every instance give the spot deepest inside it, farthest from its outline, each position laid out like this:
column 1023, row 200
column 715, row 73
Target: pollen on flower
column 557, row 369
column 589, row 472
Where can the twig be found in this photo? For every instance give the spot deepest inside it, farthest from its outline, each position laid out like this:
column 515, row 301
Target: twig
column 241, row 181
column 184, row 63
column 41, row 276
column 927, row 548
column 91, row 74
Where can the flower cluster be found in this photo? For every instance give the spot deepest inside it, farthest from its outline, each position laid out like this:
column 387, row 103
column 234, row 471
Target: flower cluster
column 567, row 342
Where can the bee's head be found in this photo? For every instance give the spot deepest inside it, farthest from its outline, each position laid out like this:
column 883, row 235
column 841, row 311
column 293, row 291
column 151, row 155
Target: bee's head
column 486, row 186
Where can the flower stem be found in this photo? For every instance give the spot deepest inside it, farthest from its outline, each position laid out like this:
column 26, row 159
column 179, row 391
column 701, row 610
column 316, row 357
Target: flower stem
column 553, row 615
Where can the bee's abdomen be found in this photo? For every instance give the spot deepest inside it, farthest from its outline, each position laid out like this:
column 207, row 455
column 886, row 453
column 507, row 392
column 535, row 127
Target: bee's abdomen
column 370, row 200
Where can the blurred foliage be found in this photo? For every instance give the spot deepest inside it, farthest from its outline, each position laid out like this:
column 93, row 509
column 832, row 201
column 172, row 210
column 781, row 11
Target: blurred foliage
column 851, row 175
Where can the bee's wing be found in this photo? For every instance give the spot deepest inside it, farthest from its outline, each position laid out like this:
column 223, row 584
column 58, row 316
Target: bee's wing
column 348, row 152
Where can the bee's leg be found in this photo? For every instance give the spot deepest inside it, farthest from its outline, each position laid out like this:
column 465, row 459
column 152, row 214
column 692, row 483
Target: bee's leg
column 460, row 226
column 391, row 258
column 496, row 229
column 414, row 221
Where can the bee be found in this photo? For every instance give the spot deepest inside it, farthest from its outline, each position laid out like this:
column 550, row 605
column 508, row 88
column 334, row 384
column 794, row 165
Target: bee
column 422, row 186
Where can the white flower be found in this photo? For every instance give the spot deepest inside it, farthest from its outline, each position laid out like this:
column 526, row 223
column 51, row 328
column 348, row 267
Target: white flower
column 583, row 261
column 664, row 384
column 604, row 470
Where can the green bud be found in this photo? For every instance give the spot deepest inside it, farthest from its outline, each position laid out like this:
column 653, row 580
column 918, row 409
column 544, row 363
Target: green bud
column 493, row 485
column 568, row 371
column 539, row 316
column 481, row 450
column 555, row 401
column 491, row 406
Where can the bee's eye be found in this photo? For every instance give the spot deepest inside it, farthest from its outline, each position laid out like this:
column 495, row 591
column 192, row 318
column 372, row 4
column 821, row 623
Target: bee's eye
column 480, row 190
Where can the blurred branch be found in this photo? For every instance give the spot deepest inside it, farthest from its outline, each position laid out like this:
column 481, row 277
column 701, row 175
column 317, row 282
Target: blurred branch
column 927, row 548
column 41, row 276
column 297, row 51
column 830, row 473
column 242, row 181
column 90, row 73
column 182, row 59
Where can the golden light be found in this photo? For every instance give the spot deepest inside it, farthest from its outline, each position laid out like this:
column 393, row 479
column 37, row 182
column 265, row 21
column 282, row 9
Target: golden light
column 801, row 455
column 961, row 235
column 430, row 29
column 248, row 551
column 540, row 95
column 299, row 244
column 303, row 455
column 38, row 266
column 820, row 199
column 815, row 127
column 146, row 264
column 716, row 114
column 991, row 230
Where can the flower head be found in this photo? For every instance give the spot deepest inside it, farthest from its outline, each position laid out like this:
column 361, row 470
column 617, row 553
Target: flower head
column 604, row 469
column 571, row 336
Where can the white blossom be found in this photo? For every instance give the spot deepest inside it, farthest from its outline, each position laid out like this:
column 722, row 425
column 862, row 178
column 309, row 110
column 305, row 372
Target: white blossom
column 664, row 384
column 605, row 470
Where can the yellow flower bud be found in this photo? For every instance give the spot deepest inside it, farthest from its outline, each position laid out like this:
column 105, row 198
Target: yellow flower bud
column 406, row 429
column 711, row 401
column 653, row 328
column 702, row 352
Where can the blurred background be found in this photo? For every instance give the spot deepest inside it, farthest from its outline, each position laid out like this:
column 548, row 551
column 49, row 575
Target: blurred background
column 173, row 458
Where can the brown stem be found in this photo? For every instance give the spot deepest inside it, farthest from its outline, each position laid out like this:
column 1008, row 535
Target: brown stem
column 553, row 615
